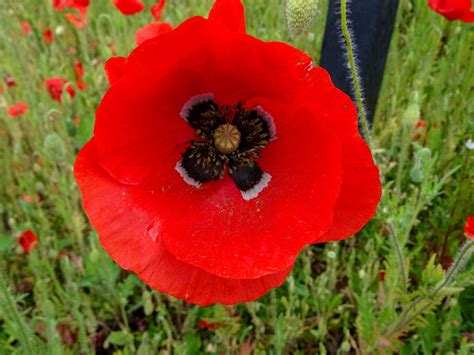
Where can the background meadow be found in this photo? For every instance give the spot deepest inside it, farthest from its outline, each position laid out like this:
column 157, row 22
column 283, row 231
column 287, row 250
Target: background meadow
column 68, row 296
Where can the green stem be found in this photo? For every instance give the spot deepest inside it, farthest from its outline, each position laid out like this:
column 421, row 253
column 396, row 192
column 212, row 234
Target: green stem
column 398, row 249
column 355, row 75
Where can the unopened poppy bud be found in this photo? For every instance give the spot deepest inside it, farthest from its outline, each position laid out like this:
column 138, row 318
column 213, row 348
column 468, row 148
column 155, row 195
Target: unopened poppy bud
column 421, row 164
column 300, row 14
column 412, row 114
column 54, row 147
column 346, row 347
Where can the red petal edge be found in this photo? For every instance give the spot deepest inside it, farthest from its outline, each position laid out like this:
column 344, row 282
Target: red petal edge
column 113, row 210
column 361, row 188
column 230, row 13
column 115, row 68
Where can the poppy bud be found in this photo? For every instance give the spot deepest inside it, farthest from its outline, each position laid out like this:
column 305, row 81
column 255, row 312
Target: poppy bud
column 412, row 114
column 54, row 147
column 300, row 14
column 421, row 164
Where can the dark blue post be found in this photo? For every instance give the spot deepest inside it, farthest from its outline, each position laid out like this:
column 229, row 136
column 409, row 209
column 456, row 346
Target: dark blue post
column 372, row 23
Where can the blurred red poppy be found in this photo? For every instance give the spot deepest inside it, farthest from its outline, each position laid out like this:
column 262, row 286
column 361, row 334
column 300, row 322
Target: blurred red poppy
column 25, row 26
column 421, row 123
column 453, row 9
column 152, row 30
column 27, row 241
column 207, row 325
column 129, row 7
column 48, row 35
column 60, row 5
column 56, row 87
column 469, row 228
column 217, row 178
column 17, row 109
column 157, row 10
column 10, row 81
column 78, row 19
column 79, row 71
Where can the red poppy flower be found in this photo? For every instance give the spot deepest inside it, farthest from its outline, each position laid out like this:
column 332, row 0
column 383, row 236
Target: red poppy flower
column 48, row 35
column 157, row 10
column 205, row 179
column 129, row 7
column 207, row 325
column 152, row 30
column 56, row 87
column 25, row 26
column 469, row 228
column 421, row 123
column 10, row 81
column 17, row 109
column 78, row 19
column 79, row 71
column 27, row 241
column 453, row 9
column 60, row 5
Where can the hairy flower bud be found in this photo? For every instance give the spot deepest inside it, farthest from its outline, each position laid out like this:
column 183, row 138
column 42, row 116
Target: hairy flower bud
column 421, row 164
column 412, row 113
column 300, row 14
column 54, row 147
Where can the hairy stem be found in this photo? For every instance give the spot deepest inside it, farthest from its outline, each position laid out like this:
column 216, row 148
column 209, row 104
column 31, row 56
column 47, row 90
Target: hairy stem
column 355, row 76
column 401, row 257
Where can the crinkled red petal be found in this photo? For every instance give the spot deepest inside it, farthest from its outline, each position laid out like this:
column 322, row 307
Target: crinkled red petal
column 129, row 231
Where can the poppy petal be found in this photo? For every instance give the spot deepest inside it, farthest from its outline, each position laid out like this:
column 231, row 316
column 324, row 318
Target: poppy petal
column 129, row 7
column 130, row 234
column 214, row 228
column 151, row 31
column 356, row 204
column 157, row 10
column 115, row 68
column 249, row 179
column 195, row 170
column 230, row 13
column 468, row 17
column 17, row 109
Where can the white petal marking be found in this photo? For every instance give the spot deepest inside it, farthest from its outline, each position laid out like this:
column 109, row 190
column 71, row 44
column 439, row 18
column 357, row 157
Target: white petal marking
column 193, row 101
column 254, row 191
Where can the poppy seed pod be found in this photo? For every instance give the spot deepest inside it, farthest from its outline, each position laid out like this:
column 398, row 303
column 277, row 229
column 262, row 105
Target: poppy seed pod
column 300, row 14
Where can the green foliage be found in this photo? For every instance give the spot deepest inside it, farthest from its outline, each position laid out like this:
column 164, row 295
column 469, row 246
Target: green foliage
column 374, row 293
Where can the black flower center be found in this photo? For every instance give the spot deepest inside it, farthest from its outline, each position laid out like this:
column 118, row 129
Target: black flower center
column 229, row 139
